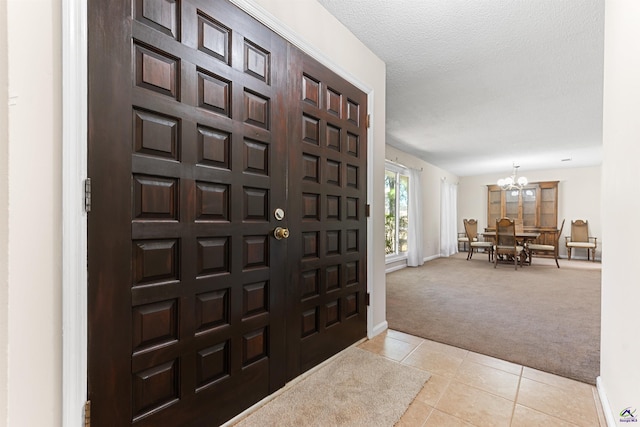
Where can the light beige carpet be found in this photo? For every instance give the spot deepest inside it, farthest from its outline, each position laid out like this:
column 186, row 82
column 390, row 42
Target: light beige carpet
column 358, row 388
column 539, row 316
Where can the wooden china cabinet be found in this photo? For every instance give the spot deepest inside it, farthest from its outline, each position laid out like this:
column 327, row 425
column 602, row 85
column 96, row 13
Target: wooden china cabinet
column 536, row 205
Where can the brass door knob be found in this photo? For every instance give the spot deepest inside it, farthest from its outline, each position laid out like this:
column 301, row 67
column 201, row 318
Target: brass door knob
column 281, row 233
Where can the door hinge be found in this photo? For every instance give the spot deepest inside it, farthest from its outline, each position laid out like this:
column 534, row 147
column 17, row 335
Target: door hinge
column 87, row 413
column 368, row 121
column 368, row 298
column 87, row 195
column 367, row 210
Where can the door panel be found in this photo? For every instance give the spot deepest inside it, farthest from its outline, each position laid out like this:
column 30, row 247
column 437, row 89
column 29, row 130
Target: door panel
column 197, row 133
column 327, row 149
column 186, row 307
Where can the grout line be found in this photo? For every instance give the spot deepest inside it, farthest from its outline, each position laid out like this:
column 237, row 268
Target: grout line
column 442, row 394
column 515, row 399
column 402, row 341
column 410, row 353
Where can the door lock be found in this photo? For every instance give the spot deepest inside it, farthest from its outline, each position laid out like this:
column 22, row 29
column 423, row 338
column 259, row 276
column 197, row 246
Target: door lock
column 281, row 233
column 279, row 214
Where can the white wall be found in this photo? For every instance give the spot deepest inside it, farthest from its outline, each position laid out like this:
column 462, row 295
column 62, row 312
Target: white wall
column 431, row 181
column 34, row 217
column 4, row 212
column 579, row 193
column 312, row 23
column 620, row 347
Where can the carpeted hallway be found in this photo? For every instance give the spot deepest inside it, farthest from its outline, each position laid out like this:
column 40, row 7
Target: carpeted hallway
column 538, row 316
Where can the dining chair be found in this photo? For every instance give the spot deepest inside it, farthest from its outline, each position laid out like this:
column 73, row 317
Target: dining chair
column 554, row 249
column 580, row 239
column 506, row 243
column 471, row 228
column 519, row 225
column 462, row 240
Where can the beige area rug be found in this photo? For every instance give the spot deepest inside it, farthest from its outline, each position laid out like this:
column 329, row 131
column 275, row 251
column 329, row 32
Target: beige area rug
column 358, row 388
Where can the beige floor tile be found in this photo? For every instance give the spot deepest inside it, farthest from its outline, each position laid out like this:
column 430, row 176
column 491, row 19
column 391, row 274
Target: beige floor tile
column 416, row 415
column 404, row 337
column 440, row 419
column 469, row 389
column 472, row 389
column 434, row 362
column 503, row 365
column 445, row 349
column 563, row 403
column 389, row 347
column 555, row 380
column 488, row 379
column 475, row 406
column 527, row 417
column 433, row 390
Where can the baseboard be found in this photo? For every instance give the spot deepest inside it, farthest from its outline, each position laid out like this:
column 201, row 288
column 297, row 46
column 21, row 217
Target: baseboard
column 431, row 258
column 604, row 401
column 395, row 268
column 379, row 328
column 579, row 258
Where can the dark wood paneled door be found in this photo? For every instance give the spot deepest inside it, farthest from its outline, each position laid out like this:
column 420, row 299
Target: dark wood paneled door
column 328, row 150
column 186, row 140
column 202, row 122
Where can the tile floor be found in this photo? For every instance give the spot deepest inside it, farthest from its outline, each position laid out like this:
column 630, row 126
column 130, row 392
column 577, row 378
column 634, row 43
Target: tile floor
column 470, row 389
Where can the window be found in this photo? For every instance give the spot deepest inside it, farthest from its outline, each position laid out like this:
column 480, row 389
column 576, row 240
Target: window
column 396, row 210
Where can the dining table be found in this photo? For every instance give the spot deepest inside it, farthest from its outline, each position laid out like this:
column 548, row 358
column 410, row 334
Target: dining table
column 523, row 237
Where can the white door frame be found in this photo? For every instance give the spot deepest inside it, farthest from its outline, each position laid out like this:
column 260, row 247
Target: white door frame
column 74, row 218
column 74, row 173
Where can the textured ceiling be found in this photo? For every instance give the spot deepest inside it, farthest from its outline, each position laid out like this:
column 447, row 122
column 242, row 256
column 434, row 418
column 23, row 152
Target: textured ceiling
column 476, row 85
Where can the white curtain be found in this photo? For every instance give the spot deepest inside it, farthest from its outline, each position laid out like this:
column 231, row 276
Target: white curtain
column 448, row 219
column 415, row 255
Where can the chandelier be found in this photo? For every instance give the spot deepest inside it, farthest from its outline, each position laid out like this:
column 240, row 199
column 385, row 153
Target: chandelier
column 513, row 182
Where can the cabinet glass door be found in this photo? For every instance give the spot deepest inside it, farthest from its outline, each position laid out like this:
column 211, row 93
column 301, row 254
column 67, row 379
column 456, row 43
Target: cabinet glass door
column 529, row 207
column 548, row 215
column 495, row 207
column 512, row 199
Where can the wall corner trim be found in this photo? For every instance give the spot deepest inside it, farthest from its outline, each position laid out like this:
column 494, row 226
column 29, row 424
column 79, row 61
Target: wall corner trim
column 378, row 329
column 606, row 408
